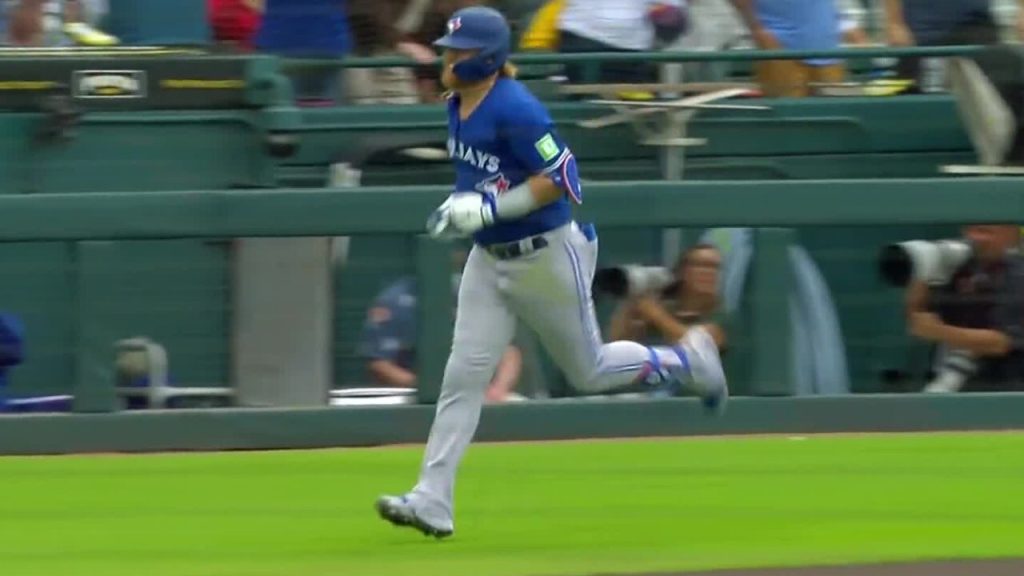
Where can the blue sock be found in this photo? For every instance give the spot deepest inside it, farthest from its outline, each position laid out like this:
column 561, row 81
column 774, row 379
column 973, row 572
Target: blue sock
column 683, row 358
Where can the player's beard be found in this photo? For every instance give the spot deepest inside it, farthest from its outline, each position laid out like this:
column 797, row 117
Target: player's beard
column 452, row 82
column 449, row 80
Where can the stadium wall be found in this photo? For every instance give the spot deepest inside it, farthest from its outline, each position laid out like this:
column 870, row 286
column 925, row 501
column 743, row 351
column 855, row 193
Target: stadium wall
column 241, row 429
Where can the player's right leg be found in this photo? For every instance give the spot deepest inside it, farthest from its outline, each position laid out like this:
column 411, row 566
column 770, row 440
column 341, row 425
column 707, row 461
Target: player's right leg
column 483, row 330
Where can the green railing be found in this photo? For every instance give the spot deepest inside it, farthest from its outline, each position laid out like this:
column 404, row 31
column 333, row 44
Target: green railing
column 665, row 57
column 329, row 212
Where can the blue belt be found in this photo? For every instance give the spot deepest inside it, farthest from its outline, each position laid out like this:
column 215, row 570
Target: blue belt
column 511, row 250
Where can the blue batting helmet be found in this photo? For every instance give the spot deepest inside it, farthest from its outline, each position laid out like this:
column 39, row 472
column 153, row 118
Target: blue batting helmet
column 478, row 28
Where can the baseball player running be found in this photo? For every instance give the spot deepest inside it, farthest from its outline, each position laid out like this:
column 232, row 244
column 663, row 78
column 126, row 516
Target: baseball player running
column 516, row 181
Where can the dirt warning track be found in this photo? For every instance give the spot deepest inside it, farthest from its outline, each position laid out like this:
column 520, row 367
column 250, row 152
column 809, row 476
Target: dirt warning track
column 1002, row 567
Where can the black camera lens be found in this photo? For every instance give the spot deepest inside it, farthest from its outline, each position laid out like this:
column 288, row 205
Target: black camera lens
column 895, row 266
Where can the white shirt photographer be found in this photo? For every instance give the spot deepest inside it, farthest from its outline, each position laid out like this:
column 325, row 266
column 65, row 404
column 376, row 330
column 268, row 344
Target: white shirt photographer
column 621, row 24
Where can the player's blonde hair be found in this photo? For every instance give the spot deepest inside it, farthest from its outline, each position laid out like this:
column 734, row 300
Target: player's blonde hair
column 508, row 70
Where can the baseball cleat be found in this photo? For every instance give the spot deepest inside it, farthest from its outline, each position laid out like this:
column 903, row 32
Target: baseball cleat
column 399, row 511
column 707, row 377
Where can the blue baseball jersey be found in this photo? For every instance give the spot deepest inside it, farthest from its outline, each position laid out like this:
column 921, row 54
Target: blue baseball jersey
column 506, row 140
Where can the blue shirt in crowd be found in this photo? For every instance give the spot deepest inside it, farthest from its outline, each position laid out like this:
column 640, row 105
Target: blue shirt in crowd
column 802, row 24
column 305, row 28
column 390, row 329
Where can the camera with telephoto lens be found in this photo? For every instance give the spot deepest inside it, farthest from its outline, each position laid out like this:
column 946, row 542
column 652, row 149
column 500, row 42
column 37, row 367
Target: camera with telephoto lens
column 935, row 264
column 952, row 370
column 632, row 280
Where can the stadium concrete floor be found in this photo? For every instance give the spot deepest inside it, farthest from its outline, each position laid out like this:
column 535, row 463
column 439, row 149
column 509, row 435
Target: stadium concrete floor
column 1002, row 567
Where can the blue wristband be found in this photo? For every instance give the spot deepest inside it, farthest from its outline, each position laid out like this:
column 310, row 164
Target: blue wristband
column 490, row 209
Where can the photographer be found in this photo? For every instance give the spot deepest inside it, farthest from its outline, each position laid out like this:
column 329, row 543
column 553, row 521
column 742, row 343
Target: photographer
column 977, row 316
column 690, row 300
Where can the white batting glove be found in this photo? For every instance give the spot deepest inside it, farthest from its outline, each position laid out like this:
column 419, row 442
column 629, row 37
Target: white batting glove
column 439, row 223
column 471, row 211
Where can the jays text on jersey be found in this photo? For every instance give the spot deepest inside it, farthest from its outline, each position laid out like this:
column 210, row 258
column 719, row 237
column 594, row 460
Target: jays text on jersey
column 506, row 140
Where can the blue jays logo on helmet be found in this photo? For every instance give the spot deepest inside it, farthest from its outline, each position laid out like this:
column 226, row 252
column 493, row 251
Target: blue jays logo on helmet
column 479, row 29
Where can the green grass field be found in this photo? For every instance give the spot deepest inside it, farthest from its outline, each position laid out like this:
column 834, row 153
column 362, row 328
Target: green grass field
column 528, row 509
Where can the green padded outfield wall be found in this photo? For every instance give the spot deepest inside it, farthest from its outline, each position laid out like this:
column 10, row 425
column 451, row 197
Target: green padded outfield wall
column 845, row 203
column 78, row 298
column 38, row 283
column 176, row 292
column 218, row 150
column 179, row 288
column 241, row 429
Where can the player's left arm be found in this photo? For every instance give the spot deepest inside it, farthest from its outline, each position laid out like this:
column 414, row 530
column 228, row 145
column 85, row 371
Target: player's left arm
column 533, row 141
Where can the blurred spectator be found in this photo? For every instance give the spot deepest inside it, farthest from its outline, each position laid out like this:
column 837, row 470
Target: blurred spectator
column 716, row 26
column 388, row 342
column 618, row 26
column 39, row 23
column 540, row 32
column 82, row 22
column 691, row 300
column 381, row 28
column 235, row 22
column 851, row 27
column 518, row 12
column 12, row 352
column 931, row 23
column 389, row 339
column 5, row 38
column 793, row 25
column 23, row 22
column 977, row 318
column 308, row 29
column 423, row 22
